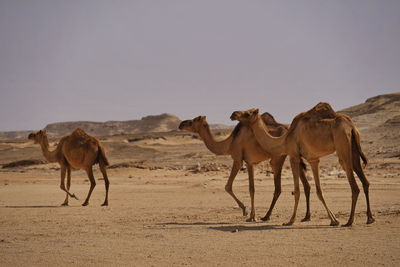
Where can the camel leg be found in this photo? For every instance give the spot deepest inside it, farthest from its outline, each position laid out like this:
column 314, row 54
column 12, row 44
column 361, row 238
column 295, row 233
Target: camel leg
column 354, row 196
column 68, row 186
column 307, row 189
column 295, row 164
column 343, row 146
column 250, row 171
column 346, row 163
column 360, row 173
column 228, row 187
column 106, row 181
column 315, row 169
column 276, row 165
column 62, row 185
column 89, row 172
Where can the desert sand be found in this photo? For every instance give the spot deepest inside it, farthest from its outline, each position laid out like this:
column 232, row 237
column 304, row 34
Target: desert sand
column 168, row 207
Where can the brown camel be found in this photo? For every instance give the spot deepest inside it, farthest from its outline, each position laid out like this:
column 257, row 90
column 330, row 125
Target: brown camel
column 314, row 134
column 77, row 150
column 241, row 145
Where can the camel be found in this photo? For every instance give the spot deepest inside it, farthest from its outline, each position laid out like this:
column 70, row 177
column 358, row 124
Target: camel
column 77, row 150
column 314, row 134
column 241, row 145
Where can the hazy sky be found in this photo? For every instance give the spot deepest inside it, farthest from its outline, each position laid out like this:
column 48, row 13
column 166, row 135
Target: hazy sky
column 118, row 60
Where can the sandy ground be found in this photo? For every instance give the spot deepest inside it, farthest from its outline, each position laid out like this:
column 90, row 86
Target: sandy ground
column 175, row 217
column 168, row 206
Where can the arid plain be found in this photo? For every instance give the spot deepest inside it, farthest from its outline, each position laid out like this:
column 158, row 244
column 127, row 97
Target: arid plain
column 168, row 206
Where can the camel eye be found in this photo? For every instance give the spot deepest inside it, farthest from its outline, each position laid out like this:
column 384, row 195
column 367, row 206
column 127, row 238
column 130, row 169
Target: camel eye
column 246, row 115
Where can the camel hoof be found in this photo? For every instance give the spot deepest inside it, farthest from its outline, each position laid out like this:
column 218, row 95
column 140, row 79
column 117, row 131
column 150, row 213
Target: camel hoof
column 334, row 223
column 347, row 224
column 104, row 204
column 265, row 218
column 250, row 220
column 85, row 204
column 64, row 204
column 370, row 220
column 306, row 219
column 288, row 224
column 245, row 211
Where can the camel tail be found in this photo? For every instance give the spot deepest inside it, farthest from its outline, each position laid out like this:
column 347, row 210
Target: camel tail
column 102, row 156
column 356, row 146
column 303, row 165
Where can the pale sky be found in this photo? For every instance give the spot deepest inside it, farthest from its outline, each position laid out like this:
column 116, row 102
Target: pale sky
column 118, row 60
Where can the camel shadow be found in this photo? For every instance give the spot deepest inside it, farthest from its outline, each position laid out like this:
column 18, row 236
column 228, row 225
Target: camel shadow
column 35, row 207
column 255, row 227
column 193, row 223
column 234, row 227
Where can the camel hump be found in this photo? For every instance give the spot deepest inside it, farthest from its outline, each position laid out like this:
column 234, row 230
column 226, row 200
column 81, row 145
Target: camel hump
column 268, row 119
column 82, row 137
column 274, row 128
column 321, row 111
column 79, row 132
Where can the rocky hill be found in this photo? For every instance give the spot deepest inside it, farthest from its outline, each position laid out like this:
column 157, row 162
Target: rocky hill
column 376, row 110
column 153, row 123
column 378, row 119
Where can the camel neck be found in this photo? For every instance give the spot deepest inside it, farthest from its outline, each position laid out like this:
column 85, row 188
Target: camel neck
column 272, row 144
column 216, row 147
column 51, row 156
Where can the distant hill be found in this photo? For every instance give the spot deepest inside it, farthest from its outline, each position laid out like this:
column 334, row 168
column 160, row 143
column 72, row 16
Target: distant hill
column 378, row 119
column 379, row 122
column 153, row 123
column 11, row 135
column 383, row 107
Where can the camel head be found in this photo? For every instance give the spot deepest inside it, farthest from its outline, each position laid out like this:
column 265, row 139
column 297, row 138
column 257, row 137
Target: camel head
column 38, row 136
column 193, row 125
column 245, row 116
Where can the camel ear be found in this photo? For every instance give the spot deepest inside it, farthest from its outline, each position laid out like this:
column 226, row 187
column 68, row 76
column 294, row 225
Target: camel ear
column 44, row 132
column 255, row 111
column 199, row 118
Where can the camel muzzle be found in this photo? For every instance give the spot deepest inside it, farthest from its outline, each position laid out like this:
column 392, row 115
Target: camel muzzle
column 32, row 136
column 234, row 116
column 184, row 124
